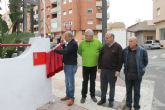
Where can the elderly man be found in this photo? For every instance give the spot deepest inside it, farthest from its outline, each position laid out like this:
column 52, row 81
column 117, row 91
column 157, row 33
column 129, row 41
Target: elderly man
column 89, row 49
column 70, row 65
column 110, row 63
column 135, row 60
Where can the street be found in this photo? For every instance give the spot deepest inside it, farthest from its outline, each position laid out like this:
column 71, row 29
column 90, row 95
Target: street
column 152, row 89
column 155, row 72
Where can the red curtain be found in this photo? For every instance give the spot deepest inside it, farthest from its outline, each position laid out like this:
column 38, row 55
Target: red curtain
column 54, row 63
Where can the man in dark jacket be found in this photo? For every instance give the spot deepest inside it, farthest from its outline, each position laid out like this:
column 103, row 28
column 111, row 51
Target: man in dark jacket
column 135, row 60
column 70, row 65
column 110, row 63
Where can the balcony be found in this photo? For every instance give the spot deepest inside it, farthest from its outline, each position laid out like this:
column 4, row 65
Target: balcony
column 99, row 27
column 98, row 3
column 54, row 10
column 99, row 15
column 54, row 20
column 53, row 1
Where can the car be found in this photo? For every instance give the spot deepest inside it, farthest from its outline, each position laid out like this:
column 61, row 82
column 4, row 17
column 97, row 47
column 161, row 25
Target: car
column 152, row 44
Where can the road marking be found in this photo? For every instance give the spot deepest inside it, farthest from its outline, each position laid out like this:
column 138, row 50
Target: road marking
column 157, row 102
column 154, row 57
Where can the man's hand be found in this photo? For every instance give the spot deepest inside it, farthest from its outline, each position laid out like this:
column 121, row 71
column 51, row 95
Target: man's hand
column 117, row 73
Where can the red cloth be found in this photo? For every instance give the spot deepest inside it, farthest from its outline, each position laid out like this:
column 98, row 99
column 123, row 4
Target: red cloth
column 54, row 63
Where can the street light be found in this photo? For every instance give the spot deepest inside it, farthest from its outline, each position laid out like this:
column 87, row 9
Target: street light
column 44, row 17
column 104, row 19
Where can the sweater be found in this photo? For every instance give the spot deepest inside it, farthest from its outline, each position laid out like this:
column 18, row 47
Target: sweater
column 90, row 52
column 69, row 53
column 111, row 57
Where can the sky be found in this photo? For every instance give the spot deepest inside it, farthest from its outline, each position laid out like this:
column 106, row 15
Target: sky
column 129, row 11
column 3, row 5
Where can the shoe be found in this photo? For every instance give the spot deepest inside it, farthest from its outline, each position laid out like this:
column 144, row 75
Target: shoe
column 70, row 102
column 83, row 100
column 137, row 109
column 111, row 104
column 101, row 102
column 94, row 99
column 65, row 98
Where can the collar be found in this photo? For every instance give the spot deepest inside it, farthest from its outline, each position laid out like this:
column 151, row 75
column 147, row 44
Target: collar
column 110, row 45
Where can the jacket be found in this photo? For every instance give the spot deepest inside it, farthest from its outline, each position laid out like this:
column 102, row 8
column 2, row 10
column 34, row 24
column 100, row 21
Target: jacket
column 69, row 53
column 111, row 57
column 141, row 60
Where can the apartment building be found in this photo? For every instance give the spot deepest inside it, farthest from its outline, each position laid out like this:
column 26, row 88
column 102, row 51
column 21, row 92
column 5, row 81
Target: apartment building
column 78, row 15
column 48, row 16
column 56, row 17
column 159, row 19
column 36, row 28
column 73, row 15
column 52, row 17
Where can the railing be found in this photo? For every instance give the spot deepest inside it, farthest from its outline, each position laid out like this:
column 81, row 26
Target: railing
column 14, row 45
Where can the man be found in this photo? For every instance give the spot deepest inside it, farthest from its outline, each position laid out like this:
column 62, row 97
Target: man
column 70, row 65
column 110, row 63
column 89, row 50
column 135, row 60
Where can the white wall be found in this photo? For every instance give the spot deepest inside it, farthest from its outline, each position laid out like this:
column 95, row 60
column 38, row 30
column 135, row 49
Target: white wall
column 24, row 86
column 120, row 36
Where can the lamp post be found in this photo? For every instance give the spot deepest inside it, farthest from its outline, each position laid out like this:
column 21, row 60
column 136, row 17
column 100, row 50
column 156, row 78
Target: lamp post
column 44, row 19
column 104, row 19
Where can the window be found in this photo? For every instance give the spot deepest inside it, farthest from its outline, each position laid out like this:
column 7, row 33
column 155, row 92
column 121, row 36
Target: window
column 156, row 41
column 90, row 10
column 54, row 5
column 64, row 13
column 149, row 37
column 70, row 1
column 64, row 1
column 70, row 11
column 35, row 29
column 54, row 15
column 68, row 25
column 162, row 34
column 90, row 22
column 149, row 42
column 158, row 11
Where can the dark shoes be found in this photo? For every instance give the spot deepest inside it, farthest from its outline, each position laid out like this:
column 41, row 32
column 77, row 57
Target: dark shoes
column 65, row 98
column 94, row 99
column 82, row 100
column 101, row 102
column 111, row 103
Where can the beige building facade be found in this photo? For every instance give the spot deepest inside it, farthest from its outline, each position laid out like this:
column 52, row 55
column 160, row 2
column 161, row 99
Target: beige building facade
column 159, row 19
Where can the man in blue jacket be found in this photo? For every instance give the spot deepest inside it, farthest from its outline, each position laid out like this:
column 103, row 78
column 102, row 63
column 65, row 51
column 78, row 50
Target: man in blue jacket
column 135, row 60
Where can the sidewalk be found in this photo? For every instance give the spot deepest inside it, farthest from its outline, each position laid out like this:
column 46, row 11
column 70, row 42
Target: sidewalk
column 58, row 86
column 162, row 55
